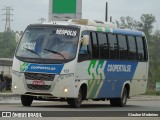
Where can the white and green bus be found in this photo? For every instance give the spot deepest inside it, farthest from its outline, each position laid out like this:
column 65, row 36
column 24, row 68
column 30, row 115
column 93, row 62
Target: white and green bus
column 78, row 60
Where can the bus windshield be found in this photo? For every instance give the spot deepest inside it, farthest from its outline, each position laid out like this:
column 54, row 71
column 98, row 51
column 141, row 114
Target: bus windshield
column 51, row 43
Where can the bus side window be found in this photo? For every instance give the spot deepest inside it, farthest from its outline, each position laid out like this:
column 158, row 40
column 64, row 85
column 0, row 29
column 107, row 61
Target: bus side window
column 95, row 46
column 84, row 51
column 140, row 48
column 113, row 46
column 132, row 53
column 103, row 46
column 145, row 49
column 123, row 52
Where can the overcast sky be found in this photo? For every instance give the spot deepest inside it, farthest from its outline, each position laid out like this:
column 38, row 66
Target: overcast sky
column 29, row 11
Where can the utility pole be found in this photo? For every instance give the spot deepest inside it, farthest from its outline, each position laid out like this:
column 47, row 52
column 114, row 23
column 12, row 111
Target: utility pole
column 106, row 16
column 7, row 19
column 42, row 20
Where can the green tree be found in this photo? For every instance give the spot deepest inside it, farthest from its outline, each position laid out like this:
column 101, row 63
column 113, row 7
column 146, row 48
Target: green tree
column 7, row 44
column 154, row 49
column 146, row 25
column 127, row 22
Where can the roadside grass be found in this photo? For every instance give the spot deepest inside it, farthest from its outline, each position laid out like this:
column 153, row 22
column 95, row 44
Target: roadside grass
column 6, row 91
column 152, row 92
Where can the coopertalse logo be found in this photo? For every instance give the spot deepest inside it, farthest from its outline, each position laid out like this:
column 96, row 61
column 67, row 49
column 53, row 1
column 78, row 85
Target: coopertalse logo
column 119, row 68
column 42, row 68
column 66, row 32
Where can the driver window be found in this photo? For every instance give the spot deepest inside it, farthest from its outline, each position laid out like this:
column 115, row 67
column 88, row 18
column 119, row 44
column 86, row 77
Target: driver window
column 84, row 51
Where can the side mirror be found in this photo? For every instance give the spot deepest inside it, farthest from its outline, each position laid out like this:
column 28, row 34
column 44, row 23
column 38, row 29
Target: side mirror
column 18, row 36
column 85, row 40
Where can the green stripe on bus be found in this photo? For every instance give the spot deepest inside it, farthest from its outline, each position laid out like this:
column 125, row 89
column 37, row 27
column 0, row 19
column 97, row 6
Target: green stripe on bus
column 99, row 29
column 100, row 65
column 95, row 88
column 107, row 30
column 92, row 64
column 94, row 84
column 91, row 82
column 24, row 67
column 98, row 81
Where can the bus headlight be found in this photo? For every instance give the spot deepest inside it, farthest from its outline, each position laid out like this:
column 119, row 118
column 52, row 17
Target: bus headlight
column 15, row 87
column 65, row 90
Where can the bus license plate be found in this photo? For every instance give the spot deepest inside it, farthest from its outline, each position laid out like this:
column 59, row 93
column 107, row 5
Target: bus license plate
column 38, row 82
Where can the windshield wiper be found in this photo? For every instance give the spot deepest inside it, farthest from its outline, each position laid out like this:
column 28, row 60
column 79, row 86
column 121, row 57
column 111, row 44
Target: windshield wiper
column 32, row 51
column 55, row 52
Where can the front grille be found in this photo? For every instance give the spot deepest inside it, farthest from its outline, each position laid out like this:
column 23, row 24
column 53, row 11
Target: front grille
column 39, row 76
column 38, row 87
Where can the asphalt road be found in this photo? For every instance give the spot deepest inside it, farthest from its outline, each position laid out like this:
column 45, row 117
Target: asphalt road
column 133, row 105
column 86, row 106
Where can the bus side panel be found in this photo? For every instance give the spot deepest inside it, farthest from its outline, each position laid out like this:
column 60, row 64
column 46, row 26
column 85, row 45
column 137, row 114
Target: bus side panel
column 93, row 72
column 139, row 82
column 17, row 78
column 117, row 73
column 105, row 78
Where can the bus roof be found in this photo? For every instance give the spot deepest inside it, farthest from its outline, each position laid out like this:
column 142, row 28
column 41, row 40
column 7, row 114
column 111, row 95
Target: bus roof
column 116, row 31
column 128, row 32
column 97, row 26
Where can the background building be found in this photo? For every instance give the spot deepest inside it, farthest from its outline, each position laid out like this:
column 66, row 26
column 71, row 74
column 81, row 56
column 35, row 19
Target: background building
column 6, row 66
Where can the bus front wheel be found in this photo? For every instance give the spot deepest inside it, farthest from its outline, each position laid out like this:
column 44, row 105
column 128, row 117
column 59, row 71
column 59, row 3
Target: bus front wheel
column 26, row 100
column 75, row 102
column 121, row 102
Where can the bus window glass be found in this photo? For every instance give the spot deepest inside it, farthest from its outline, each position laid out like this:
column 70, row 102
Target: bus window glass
column 132, row 55
column 48, row 43
column 84, row 51
column 123, row 53
column 103, row 46
column 113, row 46
column 95, row 47
column 140, row 47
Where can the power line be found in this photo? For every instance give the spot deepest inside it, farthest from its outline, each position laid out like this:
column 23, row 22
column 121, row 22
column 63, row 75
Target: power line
column 7, row 19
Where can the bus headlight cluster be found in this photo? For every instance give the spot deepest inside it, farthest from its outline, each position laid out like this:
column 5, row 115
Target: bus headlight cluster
column 15, row 87
column 65, row 90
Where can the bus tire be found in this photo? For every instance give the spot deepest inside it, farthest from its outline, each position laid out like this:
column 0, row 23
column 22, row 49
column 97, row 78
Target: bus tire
column 75, row 102
column 69, row 101
column 120, row 102
column 26, row 100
